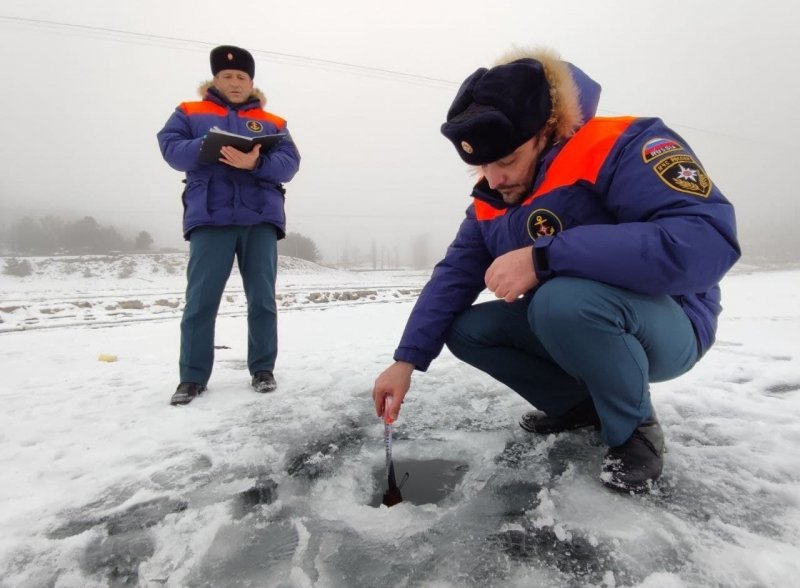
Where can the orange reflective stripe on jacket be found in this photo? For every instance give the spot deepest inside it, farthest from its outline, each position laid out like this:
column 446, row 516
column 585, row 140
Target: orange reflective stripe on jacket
column 204, row 107
column 485, row 211
column 583, row 155
column 580, row 159
column 208, row 107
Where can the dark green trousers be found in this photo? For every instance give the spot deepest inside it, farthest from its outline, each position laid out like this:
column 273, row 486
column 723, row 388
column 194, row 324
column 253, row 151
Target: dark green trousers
column 576, row 338
column 211, row 255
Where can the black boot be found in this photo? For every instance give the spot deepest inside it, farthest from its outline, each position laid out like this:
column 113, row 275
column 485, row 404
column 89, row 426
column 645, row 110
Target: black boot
column 186, row 392
column 637, row 463
column 579, row 416
column 263, row 382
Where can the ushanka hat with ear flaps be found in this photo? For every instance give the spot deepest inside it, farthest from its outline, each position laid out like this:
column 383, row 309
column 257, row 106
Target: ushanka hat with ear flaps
column 230, row 57
column 496, row 110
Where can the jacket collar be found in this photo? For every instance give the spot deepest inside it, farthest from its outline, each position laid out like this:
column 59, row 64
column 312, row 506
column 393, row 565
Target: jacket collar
column 482, row 191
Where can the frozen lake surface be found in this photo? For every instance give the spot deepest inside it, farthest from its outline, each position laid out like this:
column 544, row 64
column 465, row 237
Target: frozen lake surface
column 105, row 484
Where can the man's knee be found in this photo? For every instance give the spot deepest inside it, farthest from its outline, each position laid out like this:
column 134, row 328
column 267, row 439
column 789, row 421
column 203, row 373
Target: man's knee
column 569, row 305
column 558, row 300
column 475, row 327
column 462, row 333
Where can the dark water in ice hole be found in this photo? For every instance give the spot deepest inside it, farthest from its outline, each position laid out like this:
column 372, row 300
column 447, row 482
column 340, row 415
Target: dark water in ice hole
column 421, row 482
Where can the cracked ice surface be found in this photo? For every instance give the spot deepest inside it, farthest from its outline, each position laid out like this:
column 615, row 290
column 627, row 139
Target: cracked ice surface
column 105, row 484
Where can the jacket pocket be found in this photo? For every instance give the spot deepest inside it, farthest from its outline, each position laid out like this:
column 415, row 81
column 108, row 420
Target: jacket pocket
column 219, row 195
column 195, row 198
column 255, row 196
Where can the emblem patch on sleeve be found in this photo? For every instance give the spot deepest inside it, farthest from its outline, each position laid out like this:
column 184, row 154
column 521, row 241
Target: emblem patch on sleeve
column 658, row 147
column 683, row 173
column 255, row 126
column 543, row 222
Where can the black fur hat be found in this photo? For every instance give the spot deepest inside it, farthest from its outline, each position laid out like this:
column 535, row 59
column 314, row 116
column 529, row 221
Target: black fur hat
column 496, row 110
column 230, row 57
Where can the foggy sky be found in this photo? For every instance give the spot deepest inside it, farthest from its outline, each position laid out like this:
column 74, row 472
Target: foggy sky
column 81, row 105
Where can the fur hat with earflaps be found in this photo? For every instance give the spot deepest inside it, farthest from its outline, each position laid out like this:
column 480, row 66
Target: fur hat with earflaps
column 496, row 110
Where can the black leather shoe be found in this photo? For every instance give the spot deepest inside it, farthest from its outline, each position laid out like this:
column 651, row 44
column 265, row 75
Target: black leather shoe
column 577, row 417
column 637, row 463
column 186, row 392
column 263, row 382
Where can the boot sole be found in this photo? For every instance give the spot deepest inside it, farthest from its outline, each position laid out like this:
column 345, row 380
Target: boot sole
column 173, row 402
column 548, row 430
column 647, row 486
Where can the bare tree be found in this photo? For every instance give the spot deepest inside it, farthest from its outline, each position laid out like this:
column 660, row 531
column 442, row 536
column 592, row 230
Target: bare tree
column 300, row 246
column 420, row 252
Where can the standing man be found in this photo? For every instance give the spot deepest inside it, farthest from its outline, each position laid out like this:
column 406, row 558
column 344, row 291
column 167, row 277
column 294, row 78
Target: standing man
column 604, row 240
column 232, row 208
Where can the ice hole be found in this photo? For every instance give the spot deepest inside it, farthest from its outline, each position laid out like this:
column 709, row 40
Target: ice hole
column 420, row 482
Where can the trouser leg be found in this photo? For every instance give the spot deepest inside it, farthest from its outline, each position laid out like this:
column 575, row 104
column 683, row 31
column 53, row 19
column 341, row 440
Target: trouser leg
column 577, row 338
column 614, row 342
column 211, row 252
column 495, row 337
column 257, row 254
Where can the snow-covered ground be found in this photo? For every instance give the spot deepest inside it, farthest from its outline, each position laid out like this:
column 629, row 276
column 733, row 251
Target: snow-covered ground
column 111, row 289
column 105, row 484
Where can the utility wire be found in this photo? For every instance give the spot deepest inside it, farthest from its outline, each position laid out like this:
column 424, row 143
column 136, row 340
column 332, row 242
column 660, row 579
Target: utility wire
column 301, row 60
column 310, row 62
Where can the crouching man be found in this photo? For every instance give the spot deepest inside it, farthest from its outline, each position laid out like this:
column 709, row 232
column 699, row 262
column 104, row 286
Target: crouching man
column 605, row 242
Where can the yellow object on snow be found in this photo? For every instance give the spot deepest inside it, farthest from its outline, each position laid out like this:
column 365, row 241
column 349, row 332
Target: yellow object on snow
column 107, row 357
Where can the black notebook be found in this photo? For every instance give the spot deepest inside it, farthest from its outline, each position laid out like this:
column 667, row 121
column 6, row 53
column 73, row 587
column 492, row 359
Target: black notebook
column 217, row 138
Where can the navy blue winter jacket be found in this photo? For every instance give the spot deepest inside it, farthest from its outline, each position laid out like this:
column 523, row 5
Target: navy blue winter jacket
column 216, row 193
column 624, row 201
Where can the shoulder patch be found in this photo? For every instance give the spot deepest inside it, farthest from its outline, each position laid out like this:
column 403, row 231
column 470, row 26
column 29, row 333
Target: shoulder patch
column 263, row 115
column 657, row 147
column 684, row 174
column 543, row 222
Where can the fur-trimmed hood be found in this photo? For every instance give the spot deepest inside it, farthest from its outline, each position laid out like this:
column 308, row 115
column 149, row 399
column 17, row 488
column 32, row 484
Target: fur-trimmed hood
column 573, row 94
column 256, row 92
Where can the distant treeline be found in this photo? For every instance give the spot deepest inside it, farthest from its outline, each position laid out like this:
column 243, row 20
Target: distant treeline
column 52, row 235
column 297, row 245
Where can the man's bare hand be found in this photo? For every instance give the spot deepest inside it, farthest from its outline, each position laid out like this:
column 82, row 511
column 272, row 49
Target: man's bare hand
column 394, row 382
column 512, row 274
column 240, row 159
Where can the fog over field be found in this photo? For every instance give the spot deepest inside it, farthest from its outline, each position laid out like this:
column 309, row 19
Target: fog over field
column 365, row 87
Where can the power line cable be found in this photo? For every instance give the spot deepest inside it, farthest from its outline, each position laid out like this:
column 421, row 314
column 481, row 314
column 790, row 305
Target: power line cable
column 301, row 60
column 315, row 63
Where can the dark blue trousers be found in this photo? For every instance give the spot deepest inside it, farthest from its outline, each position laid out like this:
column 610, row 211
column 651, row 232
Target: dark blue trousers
column 576, row 338
column 211, row 254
